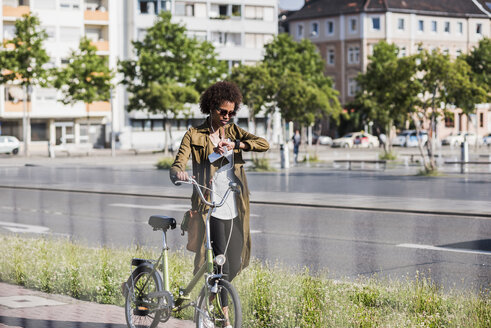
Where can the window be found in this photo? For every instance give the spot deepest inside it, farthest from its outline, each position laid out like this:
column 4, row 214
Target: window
column 225, row 39
column 45, row 4
column 421, row 25
column 400, row 24
column 434, row 26
column 353, row 55
column 141, row 33
column 446, row 27
column 481, row 120
column 299, row 31
column 8, row 32
column 458, row 52
column 259, row 13
column 331, row 57
column 330, row 27
column 314, row 29
column 446, row 51
column 402, row 52
column 479, row 28
column 352, row 87
column 184, row 9
column 198, row 35
column 51, row 31
column 352, row 25
column 45, row 94
column 70, row 4
column 149, row 6
column 376, row 23
column 236, row 11
column 460, row 28
column 257, row 40
column 69, row 34
column 449, row 120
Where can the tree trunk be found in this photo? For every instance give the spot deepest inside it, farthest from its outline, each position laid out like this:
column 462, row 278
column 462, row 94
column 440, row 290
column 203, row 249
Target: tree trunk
column 417, row 124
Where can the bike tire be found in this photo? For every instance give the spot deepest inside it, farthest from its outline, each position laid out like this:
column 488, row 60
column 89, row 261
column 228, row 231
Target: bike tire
column 138, row 308
column 212, row 307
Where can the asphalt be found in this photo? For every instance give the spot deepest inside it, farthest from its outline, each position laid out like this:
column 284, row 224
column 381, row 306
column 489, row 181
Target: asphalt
column 20, row 307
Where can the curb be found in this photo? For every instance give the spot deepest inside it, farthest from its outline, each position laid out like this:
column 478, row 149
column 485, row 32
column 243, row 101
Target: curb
column 260, row 202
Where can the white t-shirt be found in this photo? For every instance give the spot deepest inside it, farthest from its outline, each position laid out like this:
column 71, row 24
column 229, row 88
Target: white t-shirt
column 219, row 186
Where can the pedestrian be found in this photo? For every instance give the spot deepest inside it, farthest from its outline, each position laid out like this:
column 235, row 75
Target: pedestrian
column 229, row 224
column 297, row 140
column 383, row 139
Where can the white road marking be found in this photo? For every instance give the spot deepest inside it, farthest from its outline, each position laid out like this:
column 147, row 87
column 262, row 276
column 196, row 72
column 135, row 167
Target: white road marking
column 164, row 207
column 444, row 249
column 25, row 228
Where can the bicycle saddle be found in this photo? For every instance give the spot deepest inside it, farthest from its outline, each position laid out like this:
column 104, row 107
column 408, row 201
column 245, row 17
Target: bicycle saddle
column 162, row 222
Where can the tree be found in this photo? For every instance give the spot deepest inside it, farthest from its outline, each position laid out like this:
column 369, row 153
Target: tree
column 479, row 60
column 388, row 90
column 169, row 70
column 87, row 77
column 301, row 62
column 22, row 61
column 257, row 87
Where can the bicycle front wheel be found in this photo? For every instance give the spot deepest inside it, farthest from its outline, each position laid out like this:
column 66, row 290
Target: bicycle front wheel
column 222, row 309
column 142, row 311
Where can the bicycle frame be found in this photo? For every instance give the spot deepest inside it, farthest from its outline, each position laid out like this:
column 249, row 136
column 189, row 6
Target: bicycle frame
column 206, row 268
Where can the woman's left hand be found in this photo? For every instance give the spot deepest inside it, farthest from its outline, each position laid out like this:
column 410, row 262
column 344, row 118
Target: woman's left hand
column 223, row 146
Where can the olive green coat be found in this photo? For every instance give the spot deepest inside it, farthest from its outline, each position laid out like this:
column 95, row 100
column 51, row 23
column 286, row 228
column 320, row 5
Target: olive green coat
column 196, row 142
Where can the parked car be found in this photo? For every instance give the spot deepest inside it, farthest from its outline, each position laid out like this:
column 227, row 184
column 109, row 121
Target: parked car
column 366, row 140
column 401, row 138
column 356, row 139
column 486, row 140
column 456, row 139
column 412, row 140
column 9, row 144
column 322, row 140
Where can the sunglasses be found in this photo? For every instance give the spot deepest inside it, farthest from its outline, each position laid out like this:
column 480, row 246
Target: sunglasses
column 224, row 112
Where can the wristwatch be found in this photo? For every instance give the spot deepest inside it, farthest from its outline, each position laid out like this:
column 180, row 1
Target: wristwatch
column 237, row 144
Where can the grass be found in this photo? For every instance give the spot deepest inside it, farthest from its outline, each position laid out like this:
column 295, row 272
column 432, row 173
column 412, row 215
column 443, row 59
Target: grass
column 271, row 296
column 312, row 158
column 165, row 163
column 387, row 156
column 261, row 165
column 429, row 173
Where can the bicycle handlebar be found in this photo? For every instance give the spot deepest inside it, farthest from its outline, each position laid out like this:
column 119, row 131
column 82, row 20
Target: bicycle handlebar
column 231, row 187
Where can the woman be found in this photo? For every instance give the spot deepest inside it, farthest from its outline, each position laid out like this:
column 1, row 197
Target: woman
column 229, row 224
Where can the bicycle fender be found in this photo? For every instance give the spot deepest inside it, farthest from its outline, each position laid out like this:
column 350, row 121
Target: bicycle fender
column 142, row 266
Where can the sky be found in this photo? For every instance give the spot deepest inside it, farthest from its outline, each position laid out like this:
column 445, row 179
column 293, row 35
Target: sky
column 291, row 4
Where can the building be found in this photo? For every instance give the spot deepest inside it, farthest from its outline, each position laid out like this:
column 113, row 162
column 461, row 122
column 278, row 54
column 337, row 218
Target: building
column 346, row 31
column 238, row 29
column 65, row 21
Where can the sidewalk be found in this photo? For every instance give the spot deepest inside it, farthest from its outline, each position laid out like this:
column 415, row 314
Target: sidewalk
column 20, row 307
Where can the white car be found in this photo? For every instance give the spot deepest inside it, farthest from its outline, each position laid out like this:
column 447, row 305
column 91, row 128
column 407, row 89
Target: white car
column 9, row 145
column 456, row 139
column 401, row 138
column 356, row 139
column 486, row 140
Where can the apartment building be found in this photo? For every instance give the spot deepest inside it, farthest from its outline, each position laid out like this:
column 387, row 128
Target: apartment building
column 346, row 31
column 238, row 29
column 65, row 22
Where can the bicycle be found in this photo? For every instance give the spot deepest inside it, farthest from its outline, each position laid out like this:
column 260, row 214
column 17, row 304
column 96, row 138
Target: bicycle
column 148, row 300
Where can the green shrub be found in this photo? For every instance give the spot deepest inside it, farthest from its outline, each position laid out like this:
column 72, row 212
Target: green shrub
column 165, row 163
column 389, row 156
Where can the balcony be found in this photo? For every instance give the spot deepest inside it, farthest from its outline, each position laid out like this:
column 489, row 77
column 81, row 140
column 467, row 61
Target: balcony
column 9, row 11
column 101, row 45
column 96, row 15
column 99, row 106
column 16, row 107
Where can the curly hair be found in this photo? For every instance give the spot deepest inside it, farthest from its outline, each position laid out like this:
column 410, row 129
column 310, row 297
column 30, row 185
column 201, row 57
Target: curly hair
column 215, row 95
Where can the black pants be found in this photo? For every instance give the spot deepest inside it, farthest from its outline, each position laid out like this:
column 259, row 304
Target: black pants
column 219, row 234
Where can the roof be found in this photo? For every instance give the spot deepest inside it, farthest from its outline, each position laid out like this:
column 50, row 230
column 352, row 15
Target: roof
column 453, row 8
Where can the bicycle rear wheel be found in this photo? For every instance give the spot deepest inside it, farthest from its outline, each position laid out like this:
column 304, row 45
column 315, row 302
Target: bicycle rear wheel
column 220, row 309
column 140, row 310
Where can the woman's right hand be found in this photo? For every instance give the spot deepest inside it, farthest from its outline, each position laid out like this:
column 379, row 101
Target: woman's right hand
column 183, row 176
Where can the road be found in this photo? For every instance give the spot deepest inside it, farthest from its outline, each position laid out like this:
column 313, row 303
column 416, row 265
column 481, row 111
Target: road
column 453, row 250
